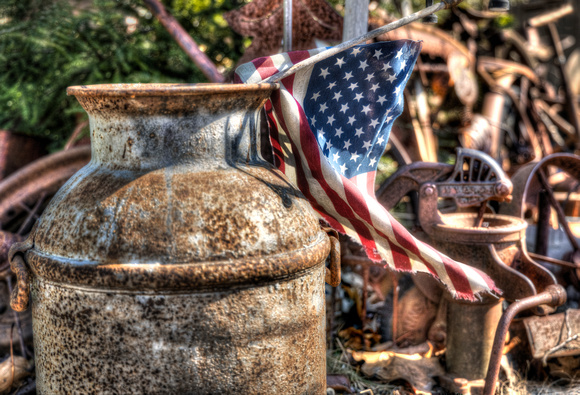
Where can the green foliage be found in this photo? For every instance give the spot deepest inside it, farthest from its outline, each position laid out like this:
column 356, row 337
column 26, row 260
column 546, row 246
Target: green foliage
column 47, row 45
column 206, row 24
column 504, row 21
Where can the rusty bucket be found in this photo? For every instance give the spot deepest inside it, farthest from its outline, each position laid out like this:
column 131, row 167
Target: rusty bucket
column 177, row 261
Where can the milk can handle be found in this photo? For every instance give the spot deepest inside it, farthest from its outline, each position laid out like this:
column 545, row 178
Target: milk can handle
column 19, row 297
column 332, row 276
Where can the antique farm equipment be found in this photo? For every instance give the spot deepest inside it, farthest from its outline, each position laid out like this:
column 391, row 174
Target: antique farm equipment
column 176, row 261
column 540, row 188
column 489, row 242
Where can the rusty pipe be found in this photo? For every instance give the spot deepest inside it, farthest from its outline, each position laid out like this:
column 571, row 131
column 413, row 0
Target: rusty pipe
column 19, row 296
column 551, row 16
column 185, row 41
column 554, row 295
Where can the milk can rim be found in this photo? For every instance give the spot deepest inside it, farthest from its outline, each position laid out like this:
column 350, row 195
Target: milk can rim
column 163, row 89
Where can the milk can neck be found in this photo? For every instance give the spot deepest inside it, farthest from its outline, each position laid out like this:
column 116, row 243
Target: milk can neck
column 213, row 128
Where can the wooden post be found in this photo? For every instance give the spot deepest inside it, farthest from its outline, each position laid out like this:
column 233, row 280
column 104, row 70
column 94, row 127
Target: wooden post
column 356, row 19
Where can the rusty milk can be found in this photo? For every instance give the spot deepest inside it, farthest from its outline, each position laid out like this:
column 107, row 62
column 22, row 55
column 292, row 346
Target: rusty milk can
column 176, row 261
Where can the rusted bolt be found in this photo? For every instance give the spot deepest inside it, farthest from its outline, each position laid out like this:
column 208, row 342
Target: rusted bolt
column 429, row 191
column 503, row 189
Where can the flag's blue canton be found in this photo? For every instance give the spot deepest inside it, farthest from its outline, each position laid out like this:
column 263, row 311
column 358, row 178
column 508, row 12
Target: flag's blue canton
column 353, row 99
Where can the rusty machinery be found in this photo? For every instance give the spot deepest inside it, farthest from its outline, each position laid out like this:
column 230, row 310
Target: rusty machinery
column 539, row 189
column 492, row 243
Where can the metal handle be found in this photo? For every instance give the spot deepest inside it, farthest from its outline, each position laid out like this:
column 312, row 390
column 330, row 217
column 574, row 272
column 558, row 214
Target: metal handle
column 332, row 275
column 554, row 295
column 19, row 297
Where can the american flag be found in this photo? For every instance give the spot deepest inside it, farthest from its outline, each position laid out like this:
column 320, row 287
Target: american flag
column 329, row 126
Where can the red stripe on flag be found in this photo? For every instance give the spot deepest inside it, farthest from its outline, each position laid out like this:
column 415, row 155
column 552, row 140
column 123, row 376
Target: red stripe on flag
column 274, row 137
column 312, row 155
column 300, row 174
column 305, row 189
column 298, row 56
column 265, row 67
column 356, row 199
column 400, row 258
column 456, row 275
column 288, row 83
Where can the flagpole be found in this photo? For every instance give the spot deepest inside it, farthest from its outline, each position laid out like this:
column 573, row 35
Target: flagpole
column 361, row 39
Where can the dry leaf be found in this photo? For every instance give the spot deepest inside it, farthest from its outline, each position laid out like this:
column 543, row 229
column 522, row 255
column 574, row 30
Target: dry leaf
column 389, row 366
column 6, row 378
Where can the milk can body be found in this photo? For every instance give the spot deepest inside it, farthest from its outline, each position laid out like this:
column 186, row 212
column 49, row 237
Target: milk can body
column 176, row 261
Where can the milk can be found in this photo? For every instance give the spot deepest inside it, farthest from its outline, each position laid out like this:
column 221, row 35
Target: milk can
column 176, row 261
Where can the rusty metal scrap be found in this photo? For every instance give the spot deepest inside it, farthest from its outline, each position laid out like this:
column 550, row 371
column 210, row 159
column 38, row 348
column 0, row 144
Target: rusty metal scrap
column 553, row 336
column 44, row 176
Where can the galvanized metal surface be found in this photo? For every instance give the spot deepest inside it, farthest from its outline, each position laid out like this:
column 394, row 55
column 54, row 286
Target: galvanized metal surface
column 265, row 339
column 22, row 198
column 177, row 261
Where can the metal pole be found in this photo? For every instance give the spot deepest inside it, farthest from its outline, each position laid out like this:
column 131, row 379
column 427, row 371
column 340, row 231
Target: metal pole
column 287, row 40
column 361, row 39
column 356, row 19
